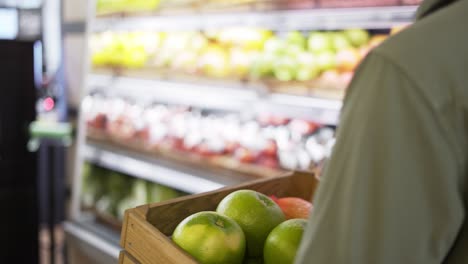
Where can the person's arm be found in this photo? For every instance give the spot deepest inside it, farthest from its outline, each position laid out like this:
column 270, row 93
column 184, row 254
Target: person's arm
column 390, row 193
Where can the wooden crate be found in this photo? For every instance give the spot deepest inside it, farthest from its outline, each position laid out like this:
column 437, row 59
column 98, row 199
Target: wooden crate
column 126, row 258
column 147, row 229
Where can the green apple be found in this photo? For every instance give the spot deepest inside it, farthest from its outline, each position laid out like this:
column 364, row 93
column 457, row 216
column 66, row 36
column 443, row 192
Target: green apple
column 340, row 41
column 326, row 60
column 293, row 51
column 307, row 73
column 358, row 37
column 308, row 68
column 285, row 68
column 262, row 65
column 306, row 58
column 296, row 38
column 275, row 45
column 319, row 41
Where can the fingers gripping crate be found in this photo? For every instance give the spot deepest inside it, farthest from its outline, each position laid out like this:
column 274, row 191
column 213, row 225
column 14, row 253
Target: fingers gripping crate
column 147, row 229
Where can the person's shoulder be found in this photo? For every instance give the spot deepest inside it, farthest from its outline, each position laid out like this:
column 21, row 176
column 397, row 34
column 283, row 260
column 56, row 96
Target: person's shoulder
column 433, row 49
column 443, row 32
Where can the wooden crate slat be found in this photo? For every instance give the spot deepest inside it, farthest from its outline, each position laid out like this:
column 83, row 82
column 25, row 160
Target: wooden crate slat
column 149, row 246
column 126, row 258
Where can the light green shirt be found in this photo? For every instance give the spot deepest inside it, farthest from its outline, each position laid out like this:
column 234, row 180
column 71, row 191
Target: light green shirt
column 395, row 188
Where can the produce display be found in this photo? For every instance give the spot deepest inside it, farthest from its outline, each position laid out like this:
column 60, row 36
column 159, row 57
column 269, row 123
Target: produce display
column 230, row 50
column 266, row 141
column 110, row 193
column 135, row 6
column 259, row 56
column 247, row 227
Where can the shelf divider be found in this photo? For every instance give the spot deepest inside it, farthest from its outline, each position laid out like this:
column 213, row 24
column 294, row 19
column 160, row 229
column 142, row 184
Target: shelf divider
column 307, row 19
column 185, row 178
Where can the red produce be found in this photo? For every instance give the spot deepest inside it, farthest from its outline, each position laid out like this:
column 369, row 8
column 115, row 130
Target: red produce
column 294, row 207
column 245, row 155
column 270, row 149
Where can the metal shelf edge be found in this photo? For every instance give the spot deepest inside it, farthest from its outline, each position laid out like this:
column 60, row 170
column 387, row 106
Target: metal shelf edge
column 332, row 18
column 142, row 169
column 325, row 111
column 93, row 239
column 146, row 90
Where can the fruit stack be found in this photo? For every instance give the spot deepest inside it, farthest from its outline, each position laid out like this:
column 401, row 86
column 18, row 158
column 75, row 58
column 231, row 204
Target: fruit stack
column 266, row 140
column 111, row 6
column 217, row 54
column 247, row 227
column 105, row 7
column 249, row 54
column 129, row 50
column 301, row 58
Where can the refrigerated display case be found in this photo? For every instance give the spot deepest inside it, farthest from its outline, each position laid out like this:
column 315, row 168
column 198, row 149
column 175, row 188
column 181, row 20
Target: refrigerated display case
column 176, row 94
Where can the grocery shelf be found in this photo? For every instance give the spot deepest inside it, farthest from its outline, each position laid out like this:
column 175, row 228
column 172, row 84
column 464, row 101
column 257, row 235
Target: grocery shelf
column 96, row 240
column 163, row 171
column 325, row 111
column 323, row 19
column 182, row 93
column 243, row 97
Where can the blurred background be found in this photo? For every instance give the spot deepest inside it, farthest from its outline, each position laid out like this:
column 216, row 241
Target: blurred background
column 110, row 104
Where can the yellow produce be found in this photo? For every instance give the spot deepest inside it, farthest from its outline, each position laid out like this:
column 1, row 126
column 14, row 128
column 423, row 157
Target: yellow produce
column 214, row 61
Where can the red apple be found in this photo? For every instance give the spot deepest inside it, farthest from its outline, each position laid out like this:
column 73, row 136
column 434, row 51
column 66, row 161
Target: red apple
column 246, row 155
column 270, row 148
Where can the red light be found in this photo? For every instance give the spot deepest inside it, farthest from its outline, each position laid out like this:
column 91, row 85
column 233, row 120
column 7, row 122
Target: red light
column 49, row 104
